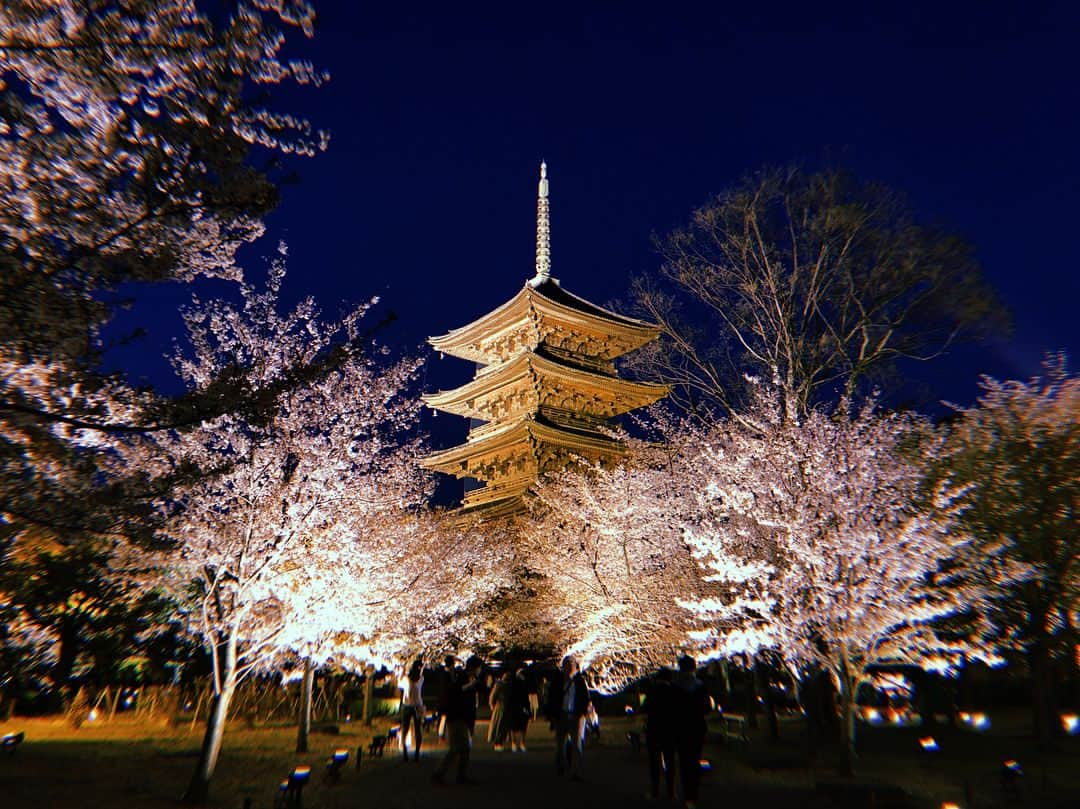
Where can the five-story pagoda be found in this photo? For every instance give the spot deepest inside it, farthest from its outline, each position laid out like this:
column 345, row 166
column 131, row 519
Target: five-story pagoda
column 545, row 387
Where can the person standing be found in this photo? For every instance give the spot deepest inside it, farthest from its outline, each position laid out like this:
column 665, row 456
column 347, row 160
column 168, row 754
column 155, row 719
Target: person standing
column 568, row 700
column 412, row 709
column 660, row 709
column 692, row 705
column 460, row 712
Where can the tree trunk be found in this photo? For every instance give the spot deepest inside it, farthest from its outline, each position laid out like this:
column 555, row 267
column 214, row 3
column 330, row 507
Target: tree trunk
column 369, row 695
column 199, row 788
column 306, row 688
column 66, row 656
column 1042, row 695
column 848, row 691
column 766, row 671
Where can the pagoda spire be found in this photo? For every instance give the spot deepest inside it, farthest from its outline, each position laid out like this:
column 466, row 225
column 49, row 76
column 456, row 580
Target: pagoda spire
column 543, row 230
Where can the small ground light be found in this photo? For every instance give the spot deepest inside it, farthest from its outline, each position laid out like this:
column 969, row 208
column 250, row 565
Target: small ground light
column 336, row 764
column 980, row 721
column 928, row 743
column 1011, row 773
column 950, row 805
column 629, row 710
column 704, row 764
column 872, row 715
column 92, row 716
column 1070, row 722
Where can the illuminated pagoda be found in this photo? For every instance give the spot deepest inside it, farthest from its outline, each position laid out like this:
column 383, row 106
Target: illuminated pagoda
column 545, row 387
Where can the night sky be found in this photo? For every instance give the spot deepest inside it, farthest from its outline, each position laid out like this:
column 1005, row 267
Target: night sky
column 441, row 113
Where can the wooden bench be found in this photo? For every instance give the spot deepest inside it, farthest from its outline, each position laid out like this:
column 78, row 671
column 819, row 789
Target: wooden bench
column 11, row 742
column 735, row 728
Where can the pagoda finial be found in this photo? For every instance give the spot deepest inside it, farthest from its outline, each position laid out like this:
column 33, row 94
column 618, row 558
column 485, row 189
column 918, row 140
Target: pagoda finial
column 543, row 230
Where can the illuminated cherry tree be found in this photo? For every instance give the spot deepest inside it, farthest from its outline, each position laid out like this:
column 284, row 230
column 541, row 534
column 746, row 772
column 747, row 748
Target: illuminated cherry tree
column 126, row 132
column 608, row 544
column 830, row 553
column 1018, row 451
column 300, row 516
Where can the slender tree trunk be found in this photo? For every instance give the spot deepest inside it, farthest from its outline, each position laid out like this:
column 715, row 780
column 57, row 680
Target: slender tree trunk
column 766, row 670
column 369, row 695
column 1042, row 694
column 199, row 788
column 66, row 655
column 306, row 689
column 848, row 689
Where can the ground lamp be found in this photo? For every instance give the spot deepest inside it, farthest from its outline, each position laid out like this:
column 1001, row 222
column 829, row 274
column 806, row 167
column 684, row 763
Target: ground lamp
column 336, row 764
column 1011, row 773
column 975, row 721
column 291, row 792
column 928, row 744
column 1070, row 723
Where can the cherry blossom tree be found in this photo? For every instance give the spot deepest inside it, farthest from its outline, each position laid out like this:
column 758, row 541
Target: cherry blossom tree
column 126, row 135
column 608, row 545
column 127, row 144
column 297, row 517
column 1018, row 451
column 829, row 553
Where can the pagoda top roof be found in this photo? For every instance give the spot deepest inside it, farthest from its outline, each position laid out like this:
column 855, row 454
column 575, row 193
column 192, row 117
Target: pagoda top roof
column 543, row 300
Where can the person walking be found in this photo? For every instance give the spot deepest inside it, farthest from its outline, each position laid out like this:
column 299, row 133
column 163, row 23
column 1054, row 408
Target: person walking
column 412, row 709
column 497, row 700
column 692, row 705
column 460, row 712
column 660, row 709
column 568, row 700
column 519, row 710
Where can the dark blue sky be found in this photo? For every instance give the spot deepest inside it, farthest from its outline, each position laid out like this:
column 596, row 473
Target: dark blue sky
column 440, row 114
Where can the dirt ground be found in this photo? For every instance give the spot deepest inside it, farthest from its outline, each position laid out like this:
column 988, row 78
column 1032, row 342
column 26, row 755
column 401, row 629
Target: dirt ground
column 147, row 766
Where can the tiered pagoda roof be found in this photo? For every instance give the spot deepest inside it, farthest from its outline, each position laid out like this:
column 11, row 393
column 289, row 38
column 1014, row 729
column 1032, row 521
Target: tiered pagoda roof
column 546, row 386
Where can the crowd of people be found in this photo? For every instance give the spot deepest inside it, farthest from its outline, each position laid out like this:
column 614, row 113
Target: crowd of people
column 675, row 707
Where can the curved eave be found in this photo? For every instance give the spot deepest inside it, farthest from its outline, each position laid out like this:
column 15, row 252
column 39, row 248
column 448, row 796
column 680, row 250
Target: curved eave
column 572, row 310
column 524, row 430
column 456, row 342
column 633, row 394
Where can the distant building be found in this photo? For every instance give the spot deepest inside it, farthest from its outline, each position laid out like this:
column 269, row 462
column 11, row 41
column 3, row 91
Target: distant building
column 545, row 387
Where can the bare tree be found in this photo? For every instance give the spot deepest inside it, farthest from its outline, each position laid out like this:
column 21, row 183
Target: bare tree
column 815, row 282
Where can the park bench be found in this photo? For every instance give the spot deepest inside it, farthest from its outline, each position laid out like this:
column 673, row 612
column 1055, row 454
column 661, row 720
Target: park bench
column 378, row 744
column 734, row 728
column 11, row 742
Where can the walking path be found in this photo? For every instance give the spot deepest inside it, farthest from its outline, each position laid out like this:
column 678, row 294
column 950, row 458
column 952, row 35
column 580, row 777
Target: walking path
column 614, row 776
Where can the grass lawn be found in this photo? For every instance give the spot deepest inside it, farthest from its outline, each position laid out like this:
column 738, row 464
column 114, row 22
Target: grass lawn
column 128, row 764
column 147, row 766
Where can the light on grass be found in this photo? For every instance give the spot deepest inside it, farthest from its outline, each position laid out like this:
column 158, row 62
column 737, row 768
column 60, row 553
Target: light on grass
column 928, row 743
column 975, row 721
column 1070, row 723
column 704, row 765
